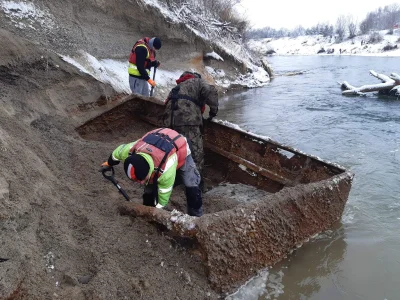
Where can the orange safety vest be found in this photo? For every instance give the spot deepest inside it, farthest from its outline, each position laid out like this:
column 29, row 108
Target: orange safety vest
column 150, row 57
column 161, row 144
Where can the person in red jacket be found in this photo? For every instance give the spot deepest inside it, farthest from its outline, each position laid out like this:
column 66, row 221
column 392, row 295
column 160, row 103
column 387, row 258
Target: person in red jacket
column 141, row 59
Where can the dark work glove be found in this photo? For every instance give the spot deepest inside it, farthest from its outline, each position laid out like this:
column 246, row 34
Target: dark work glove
column 211, row 116
column 156, row 64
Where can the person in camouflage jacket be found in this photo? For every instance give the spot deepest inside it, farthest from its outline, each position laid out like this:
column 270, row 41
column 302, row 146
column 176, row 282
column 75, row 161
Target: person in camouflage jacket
column 185, row 107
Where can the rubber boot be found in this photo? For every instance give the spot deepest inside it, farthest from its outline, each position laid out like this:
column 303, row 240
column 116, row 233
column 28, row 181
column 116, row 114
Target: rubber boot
column 148, row 199
column 194, row 201
column 195, row 212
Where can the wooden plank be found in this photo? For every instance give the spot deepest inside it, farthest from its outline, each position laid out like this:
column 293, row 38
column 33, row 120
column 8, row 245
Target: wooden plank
column 257, row 169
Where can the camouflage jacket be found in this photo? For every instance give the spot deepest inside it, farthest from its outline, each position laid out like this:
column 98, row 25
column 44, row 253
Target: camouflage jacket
column 186, row 100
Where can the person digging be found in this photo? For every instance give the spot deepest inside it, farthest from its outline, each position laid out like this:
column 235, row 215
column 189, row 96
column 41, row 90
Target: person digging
column 141, row 59
column 155, row 161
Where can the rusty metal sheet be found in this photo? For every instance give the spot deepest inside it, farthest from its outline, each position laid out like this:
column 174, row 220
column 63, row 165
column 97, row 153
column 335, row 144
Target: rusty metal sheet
column 307, row 196
column 235, row 243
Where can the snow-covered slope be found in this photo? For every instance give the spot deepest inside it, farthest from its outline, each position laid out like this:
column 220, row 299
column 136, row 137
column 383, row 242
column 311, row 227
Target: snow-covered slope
column 311, row 45
column 97, row 36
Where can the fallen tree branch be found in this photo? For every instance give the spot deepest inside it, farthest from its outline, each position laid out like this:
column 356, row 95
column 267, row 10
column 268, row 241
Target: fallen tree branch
column 395, row 77
column 382, row 77
column 387, row 84
column 395, row 91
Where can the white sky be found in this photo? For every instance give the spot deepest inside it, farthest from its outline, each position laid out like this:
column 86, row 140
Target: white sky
column 290, row 13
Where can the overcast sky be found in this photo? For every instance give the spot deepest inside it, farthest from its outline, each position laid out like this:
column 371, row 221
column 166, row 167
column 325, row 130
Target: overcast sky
column 290, row 13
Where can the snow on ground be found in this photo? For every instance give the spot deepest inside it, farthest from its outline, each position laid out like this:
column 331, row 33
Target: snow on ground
column 208, row 29
column 250, row 80
column 310, row 45
column 115, row 72
column 107, row 70
column 214, row 55
column 26, row 14
column 256, row 79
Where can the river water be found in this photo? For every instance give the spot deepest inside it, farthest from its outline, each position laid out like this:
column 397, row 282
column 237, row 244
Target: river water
column 360, row 257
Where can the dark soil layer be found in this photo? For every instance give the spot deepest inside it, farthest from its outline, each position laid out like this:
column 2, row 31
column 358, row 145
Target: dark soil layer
column 59, row 226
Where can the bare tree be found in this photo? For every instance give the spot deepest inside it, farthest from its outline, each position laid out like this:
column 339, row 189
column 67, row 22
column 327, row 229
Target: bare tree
column 341, row 27
column 327, row 30
column 392, row 13
column 367, row 24
column 298, row 31
column 382, row 18
column 351, row 26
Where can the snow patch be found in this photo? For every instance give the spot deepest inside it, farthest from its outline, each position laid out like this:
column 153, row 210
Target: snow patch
column 115, row 72
column 26, row 14
column 229, row 124
column 249, row 80
column 214, row 56
column 259, row 77
column 107, row 71
column 190, row 15
column 237, row 127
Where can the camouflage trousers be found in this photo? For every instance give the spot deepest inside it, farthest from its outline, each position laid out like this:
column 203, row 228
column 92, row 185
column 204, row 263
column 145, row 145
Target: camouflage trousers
column 193, row 134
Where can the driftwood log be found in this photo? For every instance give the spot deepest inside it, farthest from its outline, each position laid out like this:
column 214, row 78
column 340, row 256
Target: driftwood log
column 176, row 221
column 389, row 85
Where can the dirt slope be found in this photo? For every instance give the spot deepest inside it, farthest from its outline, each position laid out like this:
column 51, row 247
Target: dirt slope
column 108, row 29
column 59, row 225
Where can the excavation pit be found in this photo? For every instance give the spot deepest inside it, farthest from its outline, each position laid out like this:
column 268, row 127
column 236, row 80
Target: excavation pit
column 263, row 198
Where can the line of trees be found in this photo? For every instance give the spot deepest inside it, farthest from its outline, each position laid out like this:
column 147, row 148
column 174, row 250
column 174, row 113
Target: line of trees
column 346, row 26
column 383, row 18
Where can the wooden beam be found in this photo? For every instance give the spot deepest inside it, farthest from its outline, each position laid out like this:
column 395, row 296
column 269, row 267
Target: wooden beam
column 257, row 169
column 176, row 221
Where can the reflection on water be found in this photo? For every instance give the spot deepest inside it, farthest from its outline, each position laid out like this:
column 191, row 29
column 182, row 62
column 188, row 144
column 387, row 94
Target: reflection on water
column 360, row 259
column 292, row 279
column 326, row 254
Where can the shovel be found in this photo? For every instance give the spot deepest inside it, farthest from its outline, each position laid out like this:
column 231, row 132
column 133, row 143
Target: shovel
column 114, row 181
column 154, row 77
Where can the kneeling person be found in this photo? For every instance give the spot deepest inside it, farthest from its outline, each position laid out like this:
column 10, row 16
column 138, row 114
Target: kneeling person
column 155, row 160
